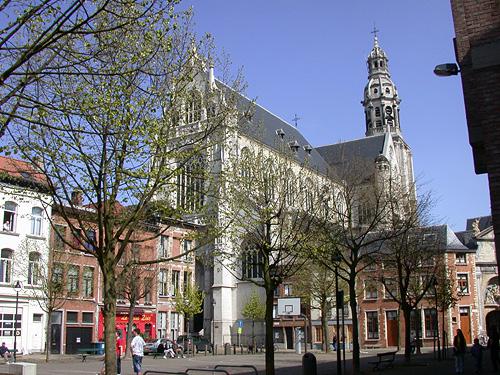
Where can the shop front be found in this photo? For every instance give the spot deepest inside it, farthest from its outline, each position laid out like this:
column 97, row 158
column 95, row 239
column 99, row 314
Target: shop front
column 144, row 320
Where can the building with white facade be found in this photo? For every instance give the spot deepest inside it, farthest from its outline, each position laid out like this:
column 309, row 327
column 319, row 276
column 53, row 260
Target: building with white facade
column 24, row 239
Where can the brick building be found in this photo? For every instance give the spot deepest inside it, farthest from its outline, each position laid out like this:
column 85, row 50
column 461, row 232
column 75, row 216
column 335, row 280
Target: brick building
column 477, row 49
column 78, row 321
column 382, row 323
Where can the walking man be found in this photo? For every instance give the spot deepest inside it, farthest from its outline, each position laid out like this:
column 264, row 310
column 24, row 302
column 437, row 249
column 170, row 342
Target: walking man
column 137, row 349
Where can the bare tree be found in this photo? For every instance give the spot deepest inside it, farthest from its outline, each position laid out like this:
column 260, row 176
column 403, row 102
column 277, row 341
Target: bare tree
column 44, row 286
column 268, row 205
column 126, row 138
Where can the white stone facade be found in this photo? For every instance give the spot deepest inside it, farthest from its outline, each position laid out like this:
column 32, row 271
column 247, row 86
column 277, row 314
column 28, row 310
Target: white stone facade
column 24, row 245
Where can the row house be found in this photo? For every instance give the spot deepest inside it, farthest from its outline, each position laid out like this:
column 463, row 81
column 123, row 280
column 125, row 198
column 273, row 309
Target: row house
column 381, row 321
column 24, row 252
column 79, row 318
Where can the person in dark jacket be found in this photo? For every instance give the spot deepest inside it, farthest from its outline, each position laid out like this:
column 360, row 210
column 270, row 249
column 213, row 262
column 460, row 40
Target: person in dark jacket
column 477, row 353
column 459, row 347
column 493, row 346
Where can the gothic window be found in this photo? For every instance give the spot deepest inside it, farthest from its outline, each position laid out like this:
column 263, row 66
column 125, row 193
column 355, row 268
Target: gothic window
column 245, row 167
column 377, row 111
column 33, row 268
column 381, row 63
column 88, row 282
column 9, row 216
column 190, row 185
column 364, row 213
column 375, row 64
column 36, row 221
column 193, row 108
column 290, row 188
column 6, row 265
column 252, row 264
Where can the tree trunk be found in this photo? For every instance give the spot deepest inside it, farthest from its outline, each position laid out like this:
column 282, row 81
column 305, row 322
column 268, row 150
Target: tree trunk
column 353, row 302
column 130, row 326
column 48, row 336
column 269, row 332
column 253, row 336
column 109, row 318
column 324, row 324
column 407, row 315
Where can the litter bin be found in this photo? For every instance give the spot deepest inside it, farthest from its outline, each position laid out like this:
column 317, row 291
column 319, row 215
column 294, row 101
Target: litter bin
column 309, row 366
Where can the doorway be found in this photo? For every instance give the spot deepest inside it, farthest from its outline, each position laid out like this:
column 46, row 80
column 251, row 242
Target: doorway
column 465, row 323
column 55, row 332
column 392, row 327
column 77, row 338
column 289, row 337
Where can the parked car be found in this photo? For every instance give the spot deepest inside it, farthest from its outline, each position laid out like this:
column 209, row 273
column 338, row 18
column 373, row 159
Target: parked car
column 199, row 342
column 151, row 346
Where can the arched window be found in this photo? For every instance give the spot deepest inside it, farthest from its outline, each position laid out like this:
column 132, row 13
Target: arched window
column 252, row 264
column 387, row 90
column 377, row 111
column 191, row 184
column 36, row 221
column 309, row 196
column 245, row 171
column 88, row 282
column 291, row 190
column 6, row 265
column 9, row 216
column 193, row 108
column 34, row 268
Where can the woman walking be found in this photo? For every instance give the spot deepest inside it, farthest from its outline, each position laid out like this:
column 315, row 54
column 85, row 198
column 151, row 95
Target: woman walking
column 459, row 347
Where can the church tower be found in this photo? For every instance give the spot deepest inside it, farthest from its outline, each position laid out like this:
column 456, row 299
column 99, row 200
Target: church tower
column 381, row 101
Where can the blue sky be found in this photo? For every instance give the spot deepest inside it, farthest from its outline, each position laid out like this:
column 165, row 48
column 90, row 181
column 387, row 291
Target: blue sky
column 309, row 58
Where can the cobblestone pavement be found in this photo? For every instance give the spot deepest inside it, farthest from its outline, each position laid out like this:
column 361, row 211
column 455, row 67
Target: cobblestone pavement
column 286, row 364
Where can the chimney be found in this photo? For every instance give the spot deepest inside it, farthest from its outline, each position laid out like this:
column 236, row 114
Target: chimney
column 77, row 197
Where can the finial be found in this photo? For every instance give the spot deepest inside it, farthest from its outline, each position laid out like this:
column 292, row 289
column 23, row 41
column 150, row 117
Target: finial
column 374, row 32
column 296, row 120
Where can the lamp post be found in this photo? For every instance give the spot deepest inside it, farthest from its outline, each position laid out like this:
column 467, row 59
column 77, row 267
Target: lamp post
column 336, row 259
column 434, row 284
column 18, row 286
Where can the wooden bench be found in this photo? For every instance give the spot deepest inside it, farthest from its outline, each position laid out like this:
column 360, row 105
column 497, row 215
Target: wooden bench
column 84, row 352
column 385, row 360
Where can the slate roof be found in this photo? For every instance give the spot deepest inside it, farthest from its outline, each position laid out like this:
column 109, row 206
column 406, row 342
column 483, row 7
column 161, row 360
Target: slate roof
column 263, row 126
column 468, row 238
column 484, row 222
column 364, row 148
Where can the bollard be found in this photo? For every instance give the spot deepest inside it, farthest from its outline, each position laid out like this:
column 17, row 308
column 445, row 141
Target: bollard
column 234, row 349
column 309, row 366
column 214, row 349
column 227, row 348
column 241, row 349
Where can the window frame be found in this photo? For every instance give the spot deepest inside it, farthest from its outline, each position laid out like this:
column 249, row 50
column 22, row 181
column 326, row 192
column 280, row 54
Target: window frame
column 460, row 291
column 34, row 268
column 36, row 221
column 370, row 323
column 6, row 265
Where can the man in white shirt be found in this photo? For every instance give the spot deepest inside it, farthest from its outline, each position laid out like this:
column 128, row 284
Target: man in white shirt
column 137, row 349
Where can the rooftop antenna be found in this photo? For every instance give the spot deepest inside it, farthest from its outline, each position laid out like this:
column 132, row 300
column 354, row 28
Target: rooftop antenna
column 296, row 120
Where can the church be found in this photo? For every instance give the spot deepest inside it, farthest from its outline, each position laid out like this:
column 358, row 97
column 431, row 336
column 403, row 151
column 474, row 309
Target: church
column 383, row 146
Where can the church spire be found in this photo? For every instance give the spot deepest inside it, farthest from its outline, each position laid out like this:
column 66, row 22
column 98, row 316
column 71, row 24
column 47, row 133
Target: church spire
column 381, row 101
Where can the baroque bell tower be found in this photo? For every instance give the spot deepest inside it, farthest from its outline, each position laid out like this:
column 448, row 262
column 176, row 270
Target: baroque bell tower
column 381, row 101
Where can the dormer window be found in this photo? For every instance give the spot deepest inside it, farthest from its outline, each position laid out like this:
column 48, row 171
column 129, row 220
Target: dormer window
column 308, row 149
column 280, row 133
column 294, row 146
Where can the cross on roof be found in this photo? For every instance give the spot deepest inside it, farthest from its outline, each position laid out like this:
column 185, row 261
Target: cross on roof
column 375, row 31
column 296, row 120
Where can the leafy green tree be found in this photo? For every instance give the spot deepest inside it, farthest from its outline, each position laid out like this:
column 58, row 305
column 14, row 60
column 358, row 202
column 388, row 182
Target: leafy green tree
column 41, row 41
column 188, row 302
column 254, row 310
column 268, row 207
column 123, row 134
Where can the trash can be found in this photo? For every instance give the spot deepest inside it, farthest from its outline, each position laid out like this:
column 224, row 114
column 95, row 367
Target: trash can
column 309, row 366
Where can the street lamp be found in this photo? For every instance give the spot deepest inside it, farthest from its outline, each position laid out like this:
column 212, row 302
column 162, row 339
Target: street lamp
column 18, row 286
column 336, row 259
column 434, row 284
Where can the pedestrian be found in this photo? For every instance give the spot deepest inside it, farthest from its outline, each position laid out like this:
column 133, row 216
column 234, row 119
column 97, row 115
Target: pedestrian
column 477, row 353
column 137, row 349
column 493, row 346
column 119, row 354
column 459, row 347
column 334, row 342
column 5, row 352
